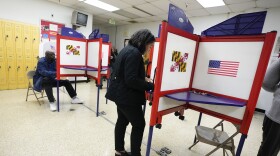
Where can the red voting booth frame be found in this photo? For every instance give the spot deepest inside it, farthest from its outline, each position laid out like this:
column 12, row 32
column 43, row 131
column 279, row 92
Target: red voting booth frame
column 156, row 116
column 78, row 67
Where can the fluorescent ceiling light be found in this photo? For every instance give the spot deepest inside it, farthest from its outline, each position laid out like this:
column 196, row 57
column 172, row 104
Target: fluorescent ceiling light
column 101, row 5
column 211, row 3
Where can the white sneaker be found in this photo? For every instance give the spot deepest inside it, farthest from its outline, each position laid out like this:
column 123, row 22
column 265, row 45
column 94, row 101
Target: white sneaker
column 76, row 100
column 53, row 106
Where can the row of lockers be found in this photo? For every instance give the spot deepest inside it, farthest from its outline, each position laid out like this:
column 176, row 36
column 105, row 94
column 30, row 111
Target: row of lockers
column 19, row 49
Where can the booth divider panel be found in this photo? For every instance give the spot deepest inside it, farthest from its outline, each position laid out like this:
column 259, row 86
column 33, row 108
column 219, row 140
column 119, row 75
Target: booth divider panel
column 178, row 62
column 227, row 68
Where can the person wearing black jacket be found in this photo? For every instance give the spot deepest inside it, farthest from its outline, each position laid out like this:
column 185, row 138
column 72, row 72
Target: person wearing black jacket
column 130, row 70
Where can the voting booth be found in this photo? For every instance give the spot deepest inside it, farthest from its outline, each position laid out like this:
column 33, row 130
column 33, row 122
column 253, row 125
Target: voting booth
column 82, row 57
column 218, row 76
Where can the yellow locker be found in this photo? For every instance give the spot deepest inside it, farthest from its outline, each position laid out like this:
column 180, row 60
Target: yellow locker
column 35, row 31
column 29, row 65
column 12, row 72
column 21, row 73
column 2, row 44
column 8, row 31
column 18, row 40
column 27, row 40
column 3, row 74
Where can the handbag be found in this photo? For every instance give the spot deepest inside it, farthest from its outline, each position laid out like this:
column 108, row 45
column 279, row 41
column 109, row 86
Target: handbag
column 112, row 90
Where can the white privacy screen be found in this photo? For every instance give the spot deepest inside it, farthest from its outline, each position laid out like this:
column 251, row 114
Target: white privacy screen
column 227, row 68
column 93, row 54
column 154, row 59
column 72, row 52
column 178, row 62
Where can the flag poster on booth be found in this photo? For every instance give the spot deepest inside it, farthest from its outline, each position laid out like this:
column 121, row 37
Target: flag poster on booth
column 49, row 30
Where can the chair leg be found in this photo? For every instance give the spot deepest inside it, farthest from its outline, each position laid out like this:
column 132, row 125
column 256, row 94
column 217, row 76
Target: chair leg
column 193, row 144
column 27, row 92
column 222, row 144
column 36, row 97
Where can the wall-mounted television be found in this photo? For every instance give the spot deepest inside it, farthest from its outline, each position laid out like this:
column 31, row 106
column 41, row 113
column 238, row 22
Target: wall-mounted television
column 79, row 19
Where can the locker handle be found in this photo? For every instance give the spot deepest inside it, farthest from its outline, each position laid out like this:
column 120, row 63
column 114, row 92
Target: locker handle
column 27, row 68
column 7, row 36
column 25, row 38
column 34, row 39
column 9, row 68
column 18, row 67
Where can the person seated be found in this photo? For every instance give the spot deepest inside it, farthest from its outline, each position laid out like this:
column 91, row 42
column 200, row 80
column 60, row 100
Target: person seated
column 45, row 78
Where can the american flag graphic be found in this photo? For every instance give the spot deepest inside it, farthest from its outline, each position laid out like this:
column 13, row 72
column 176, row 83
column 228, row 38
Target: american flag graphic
column 223, row 68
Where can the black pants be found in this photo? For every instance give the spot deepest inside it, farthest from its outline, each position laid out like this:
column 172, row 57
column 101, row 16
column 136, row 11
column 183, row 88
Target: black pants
column 135, row 116
column 49, row 84
column 271, row 138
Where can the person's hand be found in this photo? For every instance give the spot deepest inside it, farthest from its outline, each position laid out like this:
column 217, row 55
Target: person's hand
column 148, row 80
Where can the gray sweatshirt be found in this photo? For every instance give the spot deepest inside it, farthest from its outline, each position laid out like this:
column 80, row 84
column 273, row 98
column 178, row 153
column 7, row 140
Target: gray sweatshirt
column 271, row 84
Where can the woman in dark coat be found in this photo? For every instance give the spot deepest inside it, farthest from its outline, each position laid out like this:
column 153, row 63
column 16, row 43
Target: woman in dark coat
column 130, row 71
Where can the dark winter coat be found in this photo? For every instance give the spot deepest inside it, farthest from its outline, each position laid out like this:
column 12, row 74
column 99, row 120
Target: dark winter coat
column 130, row 72
column 44, row 69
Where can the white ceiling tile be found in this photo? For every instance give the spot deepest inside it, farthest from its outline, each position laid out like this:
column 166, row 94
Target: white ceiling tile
column 150, row 9
column 218, row 10
column 268, row 3
column 136, row 12
column 236, row 1
column 155, row 18
column 115, row 16
column 179, row 3
column 255, row 10
column 240, row 7
column 134, row 2
column 199, row 12
column 164, row 16
column 117, row 3
column 162, row 4
column 142, row 20
column 122, row 23
column 150, row 0
column 193, row 5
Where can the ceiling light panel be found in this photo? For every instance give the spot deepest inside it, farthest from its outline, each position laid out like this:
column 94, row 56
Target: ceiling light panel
column 211, row 3
column 101, row 5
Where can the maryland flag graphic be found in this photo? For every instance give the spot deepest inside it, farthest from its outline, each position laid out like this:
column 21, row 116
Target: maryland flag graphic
column 71, row 50
column 180, row 62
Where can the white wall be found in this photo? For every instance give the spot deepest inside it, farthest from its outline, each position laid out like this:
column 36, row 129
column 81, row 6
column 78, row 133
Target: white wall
column 200, row 24
column 32, row 11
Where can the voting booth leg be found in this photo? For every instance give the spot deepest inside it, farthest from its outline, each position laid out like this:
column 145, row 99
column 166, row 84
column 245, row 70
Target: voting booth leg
column 57, row 90
column 97, row 108
column 240, row 145
column 149, row 140
column 76, row 84
column 107, row 89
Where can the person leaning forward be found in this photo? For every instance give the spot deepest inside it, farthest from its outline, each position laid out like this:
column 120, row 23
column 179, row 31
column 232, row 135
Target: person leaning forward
column 129, row 66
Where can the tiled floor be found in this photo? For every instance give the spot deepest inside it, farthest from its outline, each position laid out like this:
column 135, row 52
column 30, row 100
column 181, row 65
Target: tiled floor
column 28, row 129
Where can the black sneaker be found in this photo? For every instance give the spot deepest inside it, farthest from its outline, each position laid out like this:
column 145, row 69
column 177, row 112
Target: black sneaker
column 123, row 153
